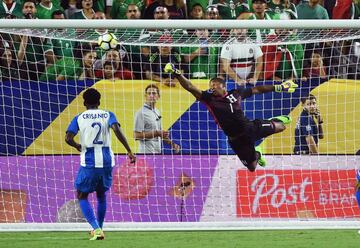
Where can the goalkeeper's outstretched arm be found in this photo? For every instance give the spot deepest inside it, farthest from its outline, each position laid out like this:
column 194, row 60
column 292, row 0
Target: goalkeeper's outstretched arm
column 288, row 86
column 184, row 82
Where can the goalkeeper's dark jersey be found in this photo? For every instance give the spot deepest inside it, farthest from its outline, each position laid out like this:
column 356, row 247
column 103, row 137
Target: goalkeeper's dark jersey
column 227, row 110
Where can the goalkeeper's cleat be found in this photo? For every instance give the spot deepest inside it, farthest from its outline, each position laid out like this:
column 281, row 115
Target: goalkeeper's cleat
column 283, row 118
column 97, row 234
column 261, row 159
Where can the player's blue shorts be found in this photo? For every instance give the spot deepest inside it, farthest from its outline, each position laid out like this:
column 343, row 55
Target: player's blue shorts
column 93, row 179
column 358, row 175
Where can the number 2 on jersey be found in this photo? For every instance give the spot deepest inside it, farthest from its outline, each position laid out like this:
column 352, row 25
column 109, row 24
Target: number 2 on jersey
column 96, row 140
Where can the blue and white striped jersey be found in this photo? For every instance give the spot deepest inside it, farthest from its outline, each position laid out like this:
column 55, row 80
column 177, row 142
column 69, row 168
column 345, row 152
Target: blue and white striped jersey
column 95, row 138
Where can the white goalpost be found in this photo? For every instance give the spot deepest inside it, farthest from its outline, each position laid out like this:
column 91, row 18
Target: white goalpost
column 45, row 65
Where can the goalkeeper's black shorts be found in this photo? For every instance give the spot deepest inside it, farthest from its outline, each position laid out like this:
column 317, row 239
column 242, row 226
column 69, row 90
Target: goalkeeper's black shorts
column 244, row 144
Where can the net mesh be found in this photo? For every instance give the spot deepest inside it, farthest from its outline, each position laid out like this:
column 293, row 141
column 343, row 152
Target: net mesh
column 43, row 73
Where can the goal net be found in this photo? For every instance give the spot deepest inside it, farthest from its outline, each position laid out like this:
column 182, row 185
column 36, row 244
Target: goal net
column 44, row 71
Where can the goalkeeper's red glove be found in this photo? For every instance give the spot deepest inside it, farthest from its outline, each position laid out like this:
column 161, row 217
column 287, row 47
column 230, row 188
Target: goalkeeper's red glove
column 170, row 68
column 288, row 86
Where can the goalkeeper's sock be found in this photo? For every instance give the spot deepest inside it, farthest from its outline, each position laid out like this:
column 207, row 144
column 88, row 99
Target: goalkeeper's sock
column 261, row 159
column 101, row 210
column 282, row 118
column 88, row 213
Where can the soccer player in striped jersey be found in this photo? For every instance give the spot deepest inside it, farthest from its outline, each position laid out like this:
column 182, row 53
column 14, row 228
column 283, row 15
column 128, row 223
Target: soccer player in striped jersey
column 97, row 158
column 225, row 106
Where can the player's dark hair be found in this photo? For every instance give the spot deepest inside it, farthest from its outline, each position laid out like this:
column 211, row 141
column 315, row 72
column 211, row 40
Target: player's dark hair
column 152, row 86
column 57, row 12
column 309, row 97
column 29, row 1
column 91, row 97
column 219, row 80
column 112, row 63
column 79, row 4
column 82, row 48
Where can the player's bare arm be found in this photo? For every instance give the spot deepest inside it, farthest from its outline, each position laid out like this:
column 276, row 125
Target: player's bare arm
column 184, row 82
column 261, row 89
column 164, row 134
column 288, row 86
column 121, row 137
column 320, row 121
column 313, row 149
column 173, row 145
column 150, row 134
column 187, row 85
column 231, row 73
column 69, row 139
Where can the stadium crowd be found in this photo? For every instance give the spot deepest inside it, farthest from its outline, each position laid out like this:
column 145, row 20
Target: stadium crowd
column 36, row 58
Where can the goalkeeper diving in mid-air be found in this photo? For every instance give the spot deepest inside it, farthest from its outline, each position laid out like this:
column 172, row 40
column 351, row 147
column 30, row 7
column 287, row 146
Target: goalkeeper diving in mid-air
column 225, row 107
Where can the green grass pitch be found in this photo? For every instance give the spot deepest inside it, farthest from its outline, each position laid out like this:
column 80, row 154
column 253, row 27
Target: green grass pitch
column 186, row 239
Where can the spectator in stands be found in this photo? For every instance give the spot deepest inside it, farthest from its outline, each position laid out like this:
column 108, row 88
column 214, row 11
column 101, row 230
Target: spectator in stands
column 70, row 68
column 160, row 13
column 29, row 9
column 202, row 61
column 62, row 47
column 86, row 10
column 176, row 9
column 284, row 8
column 116, row 57
column 38, row 52
column 88, row 58
column 212, row 13
column 196, row 12
column 120, row 8
column 99, row 6
column 283, row 61
column 191, row 3
column 158, row 60
column 111, row 71
column 296, row 2
column 58, row 15
column 341, row 10
column 69, row 7
column 259, row 8
column 148, row 129
column 45, row 9
column 355, row 9
column 135, row 56
column 329, row 6
column 10, row 8
column 9, row 68
column 100, row 16
column 317, row 68
column 309, row 127
column 133, row 12
column 231, row 9
column 242, row 61
column 311, row 10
